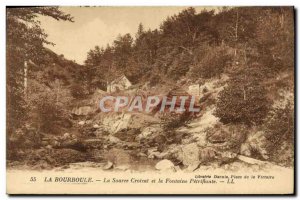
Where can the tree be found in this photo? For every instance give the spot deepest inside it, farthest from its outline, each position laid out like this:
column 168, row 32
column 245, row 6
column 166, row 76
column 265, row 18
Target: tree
column 275, row 39
column 48, row 107
column 210, row 62
column 279, row 126
column 94, row 56
column 123, row 50
column 140, row 31
column 244, row 100
column 25, row 39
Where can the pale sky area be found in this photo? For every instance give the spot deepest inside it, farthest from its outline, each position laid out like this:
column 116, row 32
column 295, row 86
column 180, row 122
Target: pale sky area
column 100, row 26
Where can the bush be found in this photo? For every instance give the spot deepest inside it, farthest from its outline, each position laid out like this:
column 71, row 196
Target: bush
column 244, row 101
column 78, row 91
column 280, row 134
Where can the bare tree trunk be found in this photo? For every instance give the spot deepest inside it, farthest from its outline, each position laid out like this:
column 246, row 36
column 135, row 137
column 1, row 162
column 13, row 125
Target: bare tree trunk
column 236, row 32
column 245, row 60
column 57, row 93
column 25, row 77
column 244, row 92
column 281, row 20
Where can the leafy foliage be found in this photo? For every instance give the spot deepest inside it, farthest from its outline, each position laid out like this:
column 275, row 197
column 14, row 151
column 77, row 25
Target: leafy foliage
column 25, row 40
column 199, row 45
column 213, row 63
column 78, row 91
column 280, row 134
column 49, row 109
column 244, row 100
column 251, row 45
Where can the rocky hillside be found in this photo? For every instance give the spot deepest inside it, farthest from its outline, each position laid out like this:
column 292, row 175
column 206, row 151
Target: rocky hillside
column 240, row 60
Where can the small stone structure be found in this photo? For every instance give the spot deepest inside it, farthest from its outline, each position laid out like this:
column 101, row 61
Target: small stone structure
column 119, row 84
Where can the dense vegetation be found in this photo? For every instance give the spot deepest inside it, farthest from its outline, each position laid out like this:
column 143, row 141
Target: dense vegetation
column 200, row 45
column 253, row 46
column 28, row 62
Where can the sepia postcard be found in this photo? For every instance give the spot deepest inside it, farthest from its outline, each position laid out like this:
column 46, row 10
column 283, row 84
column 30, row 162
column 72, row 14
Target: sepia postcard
column 150, row 100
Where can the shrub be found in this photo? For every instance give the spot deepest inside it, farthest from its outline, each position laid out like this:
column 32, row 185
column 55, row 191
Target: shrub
column 244, row 100
column 280, row 133
column 78, row 91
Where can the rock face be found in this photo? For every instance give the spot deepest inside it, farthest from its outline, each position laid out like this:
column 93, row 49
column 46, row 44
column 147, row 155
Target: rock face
column 189, row 154
column 165, row 165
column 115, row 123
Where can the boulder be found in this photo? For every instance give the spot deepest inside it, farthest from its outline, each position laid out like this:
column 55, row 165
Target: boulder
column 219, row 136
column 119, row 157
column 113, row 139
column 189, row 154
column 96, row 126
column 148, row 132
column 226, row 157
column 193, row 167
column 109, row 165
column 164, row 165
column 116, row 123
column 66, row 136
column 156, row 154
column 207, row 154
column 81, row 123
column 141, row 154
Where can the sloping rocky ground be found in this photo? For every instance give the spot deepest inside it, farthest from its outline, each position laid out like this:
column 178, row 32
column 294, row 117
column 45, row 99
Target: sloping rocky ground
column 141, row 142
